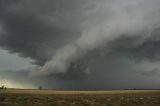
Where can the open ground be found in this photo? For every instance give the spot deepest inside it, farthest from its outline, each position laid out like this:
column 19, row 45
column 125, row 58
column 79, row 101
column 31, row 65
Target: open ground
column 21, row 97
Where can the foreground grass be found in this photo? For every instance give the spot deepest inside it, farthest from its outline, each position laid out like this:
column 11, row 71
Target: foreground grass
column 79, row 98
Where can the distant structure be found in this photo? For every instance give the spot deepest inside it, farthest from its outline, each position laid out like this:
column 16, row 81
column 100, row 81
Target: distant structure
column 40, row 88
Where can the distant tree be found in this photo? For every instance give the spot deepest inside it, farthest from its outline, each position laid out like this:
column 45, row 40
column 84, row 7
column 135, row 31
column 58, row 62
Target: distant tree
column 40, row 88
column 134, row 88
column 2, row 87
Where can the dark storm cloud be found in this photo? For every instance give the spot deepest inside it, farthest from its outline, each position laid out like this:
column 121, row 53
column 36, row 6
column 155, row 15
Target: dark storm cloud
column 80, row 41
column 29, row 31
column 152, row 73
column 108, row 24
column 147, row 50
column 36, row 29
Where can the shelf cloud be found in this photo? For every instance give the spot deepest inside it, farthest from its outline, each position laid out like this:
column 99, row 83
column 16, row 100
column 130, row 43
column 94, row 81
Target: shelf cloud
column 67, row 38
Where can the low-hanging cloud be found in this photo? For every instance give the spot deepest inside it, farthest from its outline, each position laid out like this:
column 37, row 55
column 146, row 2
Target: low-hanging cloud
column 111, row 21
column 60, row 35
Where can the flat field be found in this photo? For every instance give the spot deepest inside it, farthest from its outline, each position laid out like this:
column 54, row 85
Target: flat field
column 20, row 97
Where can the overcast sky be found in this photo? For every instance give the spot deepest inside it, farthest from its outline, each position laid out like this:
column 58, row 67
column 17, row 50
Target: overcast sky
column 80, row 44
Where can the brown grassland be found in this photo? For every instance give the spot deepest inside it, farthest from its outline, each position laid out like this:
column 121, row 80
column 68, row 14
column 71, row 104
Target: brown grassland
column 20, row 97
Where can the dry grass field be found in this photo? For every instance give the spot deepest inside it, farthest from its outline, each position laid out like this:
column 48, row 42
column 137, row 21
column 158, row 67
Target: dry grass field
column 20, row 97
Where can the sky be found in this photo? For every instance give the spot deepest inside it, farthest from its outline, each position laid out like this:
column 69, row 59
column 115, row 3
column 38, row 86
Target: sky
column 80, row 44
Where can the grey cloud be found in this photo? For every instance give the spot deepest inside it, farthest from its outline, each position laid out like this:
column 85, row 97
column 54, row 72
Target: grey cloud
column 152, row 73
column 102, row 31
column 147, row 50
column 29, row 33
column 59, row 34
column 111, row 72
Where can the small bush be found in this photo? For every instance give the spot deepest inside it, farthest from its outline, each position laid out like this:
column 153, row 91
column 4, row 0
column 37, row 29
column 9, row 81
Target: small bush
column 40, row 88
column 2, row 98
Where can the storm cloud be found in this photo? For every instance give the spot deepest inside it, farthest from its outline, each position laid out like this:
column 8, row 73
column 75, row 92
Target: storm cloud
column 77, row 41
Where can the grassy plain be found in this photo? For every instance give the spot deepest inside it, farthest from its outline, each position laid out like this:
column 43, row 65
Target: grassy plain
column 20, row 97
